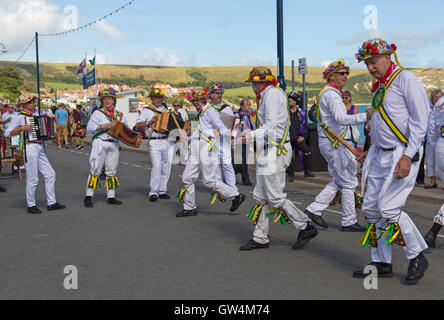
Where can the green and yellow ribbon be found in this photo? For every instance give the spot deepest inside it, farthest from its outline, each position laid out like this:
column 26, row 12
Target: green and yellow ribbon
column 365, row 240
column 112, row 183
column 212, row 141
column 215, row 196
column 279, row 214
column 254, row 213
column 181, row 195
column 94, row 182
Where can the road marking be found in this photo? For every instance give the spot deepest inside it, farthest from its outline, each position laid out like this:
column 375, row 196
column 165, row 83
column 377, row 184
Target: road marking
column 124, row 162
column 137, row 166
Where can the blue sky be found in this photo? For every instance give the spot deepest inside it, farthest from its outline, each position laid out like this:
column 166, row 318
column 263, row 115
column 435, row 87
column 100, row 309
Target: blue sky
column 229, row 32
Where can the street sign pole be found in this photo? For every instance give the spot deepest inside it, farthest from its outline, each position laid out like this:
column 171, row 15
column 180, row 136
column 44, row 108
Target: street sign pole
column 37, row 67
column 292, row 76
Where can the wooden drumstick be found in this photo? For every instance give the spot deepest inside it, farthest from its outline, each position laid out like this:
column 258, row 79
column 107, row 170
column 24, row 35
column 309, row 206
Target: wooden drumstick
column 337, row 137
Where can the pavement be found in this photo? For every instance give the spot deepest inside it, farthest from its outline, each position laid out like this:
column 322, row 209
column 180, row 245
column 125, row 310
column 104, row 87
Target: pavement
column 140, row 250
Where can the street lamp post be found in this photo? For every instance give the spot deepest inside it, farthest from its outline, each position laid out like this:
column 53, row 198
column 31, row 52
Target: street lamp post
column 280, row 43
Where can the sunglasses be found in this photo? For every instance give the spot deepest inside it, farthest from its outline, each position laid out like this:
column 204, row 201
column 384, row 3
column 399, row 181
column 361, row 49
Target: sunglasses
column 343, row 73
column 176, row 105
column 217, row 92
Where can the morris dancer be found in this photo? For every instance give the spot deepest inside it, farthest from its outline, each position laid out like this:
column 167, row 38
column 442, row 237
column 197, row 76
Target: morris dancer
column 159, row 147
column 216, row 92
column 203, row 158
column 342, row 165
column 271, row 135
column 35, row 159
column 398, row 127
column 105, row 148
column 435, row 139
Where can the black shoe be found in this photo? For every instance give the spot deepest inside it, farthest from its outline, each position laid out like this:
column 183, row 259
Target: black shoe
column 416, row 270
column 237, row 202
column 3, row 189
column 164, row 196
column 290, row 179
column 247, row 183
column 87, row 202
column 114, row 201
column 353, row 228
column 433, row 186
column 309, row 174
column 251, row 245
column 153, row 198
column 305, row 236
column 34, row 210
column 316, row 219
column 187, row 213
column 56, row 206
column 384, row 270
column 430, row 239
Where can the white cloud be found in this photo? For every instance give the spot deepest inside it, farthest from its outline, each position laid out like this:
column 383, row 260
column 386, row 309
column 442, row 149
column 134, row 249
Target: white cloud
column 109, row 30
column 20, row 19
column 160, row 58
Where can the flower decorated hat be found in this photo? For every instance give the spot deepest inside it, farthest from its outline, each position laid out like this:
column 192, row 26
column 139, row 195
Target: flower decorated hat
column 25, row 99
column 333, row 67
column 107, row 92
column 155, row 92
column 198, row 94
column 219, row 86
column 374, row 47
column 261, row 74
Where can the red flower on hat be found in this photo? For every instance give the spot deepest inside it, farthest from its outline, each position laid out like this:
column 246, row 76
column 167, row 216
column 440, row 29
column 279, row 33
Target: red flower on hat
column 394, row 47
column 375, row 52
column 369, row 46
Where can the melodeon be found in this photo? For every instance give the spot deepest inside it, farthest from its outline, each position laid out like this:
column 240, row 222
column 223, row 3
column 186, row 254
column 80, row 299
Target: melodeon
column 165, row 122
column 43, row 128
column 125, row 134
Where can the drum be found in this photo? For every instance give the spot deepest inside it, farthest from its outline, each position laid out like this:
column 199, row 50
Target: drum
column 125, row 134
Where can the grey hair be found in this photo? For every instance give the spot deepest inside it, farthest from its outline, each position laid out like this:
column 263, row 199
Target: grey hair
column 434, row 93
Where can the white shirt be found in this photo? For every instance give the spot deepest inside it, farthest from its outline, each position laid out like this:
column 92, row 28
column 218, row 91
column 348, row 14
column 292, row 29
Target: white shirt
column 407, row 106
column 97, row 119
column 436, row 122
column 6, row 116
column 333, row 113
column 210, row 121
column 146, row 115
column 272, row 115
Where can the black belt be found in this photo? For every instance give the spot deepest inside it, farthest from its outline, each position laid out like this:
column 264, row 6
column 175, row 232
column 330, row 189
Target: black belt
column 387, row 150
column 159, row 138
column 108, row 140
column 36, row 142
column 342, row 139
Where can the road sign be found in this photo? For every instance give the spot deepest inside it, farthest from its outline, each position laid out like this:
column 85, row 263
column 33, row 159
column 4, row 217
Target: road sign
column 302, row 68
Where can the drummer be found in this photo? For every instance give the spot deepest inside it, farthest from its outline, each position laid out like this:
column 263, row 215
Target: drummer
column 105, row 148
column 160, row 148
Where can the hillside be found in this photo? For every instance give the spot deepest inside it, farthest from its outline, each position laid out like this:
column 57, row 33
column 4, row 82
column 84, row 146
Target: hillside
column 62, row 76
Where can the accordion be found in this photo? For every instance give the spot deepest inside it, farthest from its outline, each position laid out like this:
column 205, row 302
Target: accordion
column 125, row 134
column 166, row 121
column 43, row 128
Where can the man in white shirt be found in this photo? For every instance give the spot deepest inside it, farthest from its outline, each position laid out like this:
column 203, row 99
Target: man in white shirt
column 398, row 126
column 8, row 116
column 105, row 148
column 203, row 158
column 159, row 147
column 35, row 158
column 342, row 164
column 216, row 92
column 273, row 158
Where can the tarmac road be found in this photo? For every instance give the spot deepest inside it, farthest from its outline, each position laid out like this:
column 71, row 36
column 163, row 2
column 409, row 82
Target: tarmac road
column 142, row 251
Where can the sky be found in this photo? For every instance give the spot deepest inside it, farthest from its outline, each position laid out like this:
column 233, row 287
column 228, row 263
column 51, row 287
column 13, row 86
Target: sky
column 221, row 33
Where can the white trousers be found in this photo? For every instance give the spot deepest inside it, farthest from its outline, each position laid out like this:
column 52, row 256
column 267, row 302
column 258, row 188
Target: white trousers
column 227, row 166
column 36, row 161
column 440, row 165
column 430, row 161
column 103, row 153
column 384, row 199
column 161, row 155
column 204, row 162
column 342, row 167
column 269, row 192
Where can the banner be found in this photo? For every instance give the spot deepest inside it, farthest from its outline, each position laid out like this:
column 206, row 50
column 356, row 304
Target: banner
column 90, row 79
column 81, row 69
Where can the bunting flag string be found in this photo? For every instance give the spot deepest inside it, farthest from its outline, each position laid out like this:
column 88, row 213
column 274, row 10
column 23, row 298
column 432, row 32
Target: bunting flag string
column 27, row 48
column 53, row 34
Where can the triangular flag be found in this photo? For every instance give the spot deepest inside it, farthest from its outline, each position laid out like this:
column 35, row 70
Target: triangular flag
column 93, row 61
column 81, row 69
